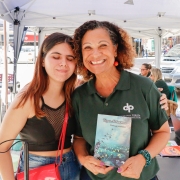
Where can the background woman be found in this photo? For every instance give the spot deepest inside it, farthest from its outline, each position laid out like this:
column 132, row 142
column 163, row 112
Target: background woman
column 145, row 70
column 156, row 77
column 103, row 51
column 37, row 112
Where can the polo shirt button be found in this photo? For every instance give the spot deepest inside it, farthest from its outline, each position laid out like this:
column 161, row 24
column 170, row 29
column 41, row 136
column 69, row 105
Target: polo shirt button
column 106, row 104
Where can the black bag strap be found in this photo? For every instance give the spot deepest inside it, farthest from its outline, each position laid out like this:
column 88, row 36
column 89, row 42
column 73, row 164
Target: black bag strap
column 26, row 155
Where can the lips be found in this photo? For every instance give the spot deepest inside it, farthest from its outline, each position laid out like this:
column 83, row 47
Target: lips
column 62, row 70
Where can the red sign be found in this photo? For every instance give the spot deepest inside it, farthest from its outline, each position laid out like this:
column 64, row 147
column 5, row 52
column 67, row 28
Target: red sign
column 30, row 38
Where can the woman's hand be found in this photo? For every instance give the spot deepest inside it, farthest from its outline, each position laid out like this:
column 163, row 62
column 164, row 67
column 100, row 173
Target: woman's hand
column 133, row 167
column 95, row 166
column 164, row 102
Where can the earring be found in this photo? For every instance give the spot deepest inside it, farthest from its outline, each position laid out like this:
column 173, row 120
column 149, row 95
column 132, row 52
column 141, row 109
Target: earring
column 116, row 63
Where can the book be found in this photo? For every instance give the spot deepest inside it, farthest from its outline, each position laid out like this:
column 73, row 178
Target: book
column 171, row 143
column 170, row 151
column 112, row 141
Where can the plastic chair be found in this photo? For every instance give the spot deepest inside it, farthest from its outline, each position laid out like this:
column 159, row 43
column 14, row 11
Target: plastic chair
column 173, row 95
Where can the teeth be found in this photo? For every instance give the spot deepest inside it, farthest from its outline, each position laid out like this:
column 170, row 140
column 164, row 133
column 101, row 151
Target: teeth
column 97, row 62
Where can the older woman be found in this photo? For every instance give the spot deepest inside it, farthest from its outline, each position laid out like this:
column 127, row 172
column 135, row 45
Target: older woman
column 104, row 52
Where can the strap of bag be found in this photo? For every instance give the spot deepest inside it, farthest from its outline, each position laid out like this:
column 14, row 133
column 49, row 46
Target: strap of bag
column 63, row 135
column 61, row 140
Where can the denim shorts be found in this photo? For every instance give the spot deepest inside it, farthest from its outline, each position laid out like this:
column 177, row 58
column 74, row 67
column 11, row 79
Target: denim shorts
column 69, row 168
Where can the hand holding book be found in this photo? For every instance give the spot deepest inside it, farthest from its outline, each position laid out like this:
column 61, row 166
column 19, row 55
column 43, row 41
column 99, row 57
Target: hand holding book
column 95, row 166
column 133, row 167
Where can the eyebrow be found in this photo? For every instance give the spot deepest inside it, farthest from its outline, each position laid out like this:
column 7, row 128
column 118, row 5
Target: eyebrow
column 69, row 55
column 98, row 43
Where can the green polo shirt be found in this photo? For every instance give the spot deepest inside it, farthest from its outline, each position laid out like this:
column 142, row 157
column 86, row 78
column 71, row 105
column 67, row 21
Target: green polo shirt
column 162, row 84
column 133, row 96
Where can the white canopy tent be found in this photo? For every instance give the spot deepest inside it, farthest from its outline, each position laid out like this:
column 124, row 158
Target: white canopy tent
column 141, row 18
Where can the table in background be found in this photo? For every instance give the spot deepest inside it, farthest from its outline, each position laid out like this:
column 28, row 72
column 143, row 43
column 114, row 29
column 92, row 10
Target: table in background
column 169, row 166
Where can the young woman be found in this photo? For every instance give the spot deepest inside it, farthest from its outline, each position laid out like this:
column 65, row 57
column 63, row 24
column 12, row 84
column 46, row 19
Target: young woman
column 104, row 51
column 37, row 113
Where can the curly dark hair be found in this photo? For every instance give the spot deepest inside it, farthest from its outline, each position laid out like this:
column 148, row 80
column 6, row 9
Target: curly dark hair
column 119, row 37
column 147, row 66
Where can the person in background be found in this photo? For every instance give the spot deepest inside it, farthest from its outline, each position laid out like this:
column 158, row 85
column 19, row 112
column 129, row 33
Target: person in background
column 145, row 70
column 37, row 112
column 104, row 51
column 142, row 50
column 156, row 77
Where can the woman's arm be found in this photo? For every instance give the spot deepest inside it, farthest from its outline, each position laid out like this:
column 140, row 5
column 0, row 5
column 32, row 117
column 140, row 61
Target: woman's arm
column 13, row 121
column 159, row 140
column 92, row 164
column 134, row 165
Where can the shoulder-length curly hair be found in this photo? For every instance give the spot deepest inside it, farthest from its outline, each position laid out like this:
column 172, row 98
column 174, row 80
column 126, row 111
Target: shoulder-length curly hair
column 40, row 81
column 118, row 36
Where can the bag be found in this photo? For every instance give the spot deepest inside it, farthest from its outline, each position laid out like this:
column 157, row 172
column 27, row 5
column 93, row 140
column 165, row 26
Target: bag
column 46, row 172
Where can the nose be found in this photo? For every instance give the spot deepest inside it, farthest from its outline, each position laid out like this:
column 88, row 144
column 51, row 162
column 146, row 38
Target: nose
column 63, row 62
column 96, row 52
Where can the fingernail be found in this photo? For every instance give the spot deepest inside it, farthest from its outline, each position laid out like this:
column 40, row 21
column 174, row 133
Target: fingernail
column 119, row 170
column 102, row 164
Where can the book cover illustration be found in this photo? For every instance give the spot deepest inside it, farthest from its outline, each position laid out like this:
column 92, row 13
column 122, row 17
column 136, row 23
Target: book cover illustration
column 112, row 140
column 170, row 151
column 171, row 143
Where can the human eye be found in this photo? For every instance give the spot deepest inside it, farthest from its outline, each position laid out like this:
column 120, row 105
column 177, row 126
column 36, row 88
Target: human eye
column 103, row 45
column 70, row 58
column 56, row 57
column 87, row 47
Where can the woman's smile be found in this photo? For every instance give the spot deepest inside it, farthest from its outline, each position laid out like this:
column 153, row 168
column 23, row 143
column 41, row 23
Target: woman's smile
column 97, row 62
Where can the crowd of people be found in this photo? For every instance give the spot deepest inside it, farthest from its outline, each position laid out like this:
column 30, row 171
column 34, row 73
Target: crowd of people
column 100, row 52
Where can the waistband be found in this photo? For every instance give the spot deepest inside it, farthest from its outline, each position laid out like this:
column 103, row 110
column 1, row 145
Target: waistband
column 67, row 157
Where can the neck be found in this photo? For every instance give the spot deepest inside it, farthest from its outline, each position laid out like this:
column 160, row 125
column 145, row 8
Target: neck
column 55, row 89
column 54, row 95
column 105, row 83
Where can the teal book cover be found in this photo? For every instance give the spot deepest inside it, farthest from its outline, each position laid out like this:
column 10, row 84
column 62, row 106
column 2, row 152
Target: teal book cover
column 112, row 140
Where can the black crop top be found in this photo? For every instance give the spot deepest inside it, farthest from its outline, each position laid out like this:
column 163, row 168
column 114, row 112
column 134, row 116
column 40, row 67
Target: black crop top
column 43, row 134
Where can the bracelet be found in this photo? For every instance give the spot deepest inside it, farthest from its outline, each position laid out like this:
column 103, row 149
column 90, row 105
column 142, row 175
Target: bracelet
column 146, row 155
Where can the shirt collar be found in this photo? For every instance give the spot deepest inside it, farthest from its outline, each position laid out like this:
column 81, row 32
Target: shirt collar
column 123, row 84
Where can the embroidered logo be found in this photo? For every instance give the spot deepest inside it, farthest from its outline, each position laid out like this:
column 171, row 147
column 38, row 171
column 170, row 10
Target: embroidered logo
column 128, row 107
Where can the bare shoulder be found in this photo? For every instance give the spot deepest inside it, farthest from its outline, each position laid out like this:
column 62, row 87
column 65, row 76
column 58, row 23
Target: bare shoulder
column 18, row 100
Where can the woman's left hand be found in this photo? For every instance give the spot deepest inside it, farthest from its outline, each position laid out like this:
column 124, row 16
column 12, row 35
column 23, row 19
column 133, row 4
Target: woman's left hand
column 133, row 167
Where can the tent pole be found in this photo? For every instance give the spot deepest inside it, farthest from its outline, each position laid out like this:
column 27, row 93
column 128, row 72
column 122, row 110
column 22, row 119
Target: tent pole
column 5, row 66
column 158, row 41
column 4, row 93
column 34, row 47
